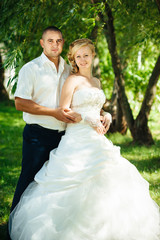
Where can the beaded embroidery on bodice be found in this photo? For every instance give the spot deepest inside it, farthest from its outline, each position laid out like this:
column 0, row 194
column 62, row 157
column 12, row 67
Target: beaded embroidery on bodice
column 88, row 100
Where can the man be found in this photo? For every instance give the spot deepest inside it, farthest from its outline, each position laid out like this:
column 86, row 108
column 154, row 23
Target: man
column 37, row 95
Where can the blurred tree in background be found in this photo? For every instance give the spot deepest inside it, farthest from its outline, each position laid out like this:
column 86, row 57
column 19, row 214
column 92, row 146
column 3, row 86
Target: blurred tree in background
column 139, row 126
column 126, row 36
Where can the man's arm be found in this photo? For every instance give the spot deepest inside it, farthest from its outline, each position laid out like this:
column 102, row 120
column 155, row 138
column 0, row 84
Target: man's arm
column 30, row 106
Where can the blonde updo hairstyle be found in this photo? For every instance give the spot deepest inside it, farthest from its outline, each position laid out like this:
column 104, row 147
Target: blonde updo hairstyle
column 74, row 47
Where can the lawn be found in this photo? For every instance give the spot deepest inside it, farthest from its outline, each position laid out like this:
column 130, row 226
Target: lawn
column 146, row 159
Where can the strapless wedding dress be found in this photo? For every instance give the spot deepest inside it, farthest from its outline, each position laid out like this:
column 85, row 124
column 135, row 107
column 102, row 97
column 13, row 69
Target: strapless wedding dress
column 87, row 190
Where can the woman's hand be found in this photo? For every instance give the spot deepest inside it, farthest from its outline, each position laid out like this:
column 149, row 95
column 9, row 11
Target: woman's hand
column 95, row 123
column 106, row 120
column 100, row 129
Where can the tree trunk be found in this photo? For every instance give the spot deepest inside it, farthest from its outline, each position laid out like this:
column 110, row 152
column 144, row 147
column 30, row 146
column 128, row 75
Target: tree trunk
column 114, row 107
column 121, row 124
column 122, row 107
column 158, row 5
column 141, row 130
column 118, row 119
column 3, row 92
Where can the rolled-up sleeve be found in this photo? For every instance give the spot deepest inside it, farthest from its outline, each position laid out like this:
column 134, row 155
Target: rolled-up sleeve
column 25, row 83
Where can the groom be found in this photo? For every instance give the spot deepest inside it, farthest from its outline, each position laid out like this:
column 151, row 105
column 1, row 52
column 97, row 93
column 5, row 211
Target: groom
column 37, row 95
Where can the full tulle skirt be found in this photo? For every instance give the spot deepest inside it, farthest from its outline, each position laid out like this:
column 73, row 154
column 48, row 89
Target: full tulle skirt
column 86, row 191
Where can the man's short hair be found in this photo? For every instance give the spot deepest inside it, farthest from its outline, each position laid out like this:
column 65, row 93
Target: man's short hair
column 51, row 28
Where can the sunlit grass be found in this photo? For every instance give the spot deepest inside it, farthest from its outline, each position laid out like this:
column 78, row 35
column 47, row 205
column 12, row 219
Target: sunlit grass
column 146, row 159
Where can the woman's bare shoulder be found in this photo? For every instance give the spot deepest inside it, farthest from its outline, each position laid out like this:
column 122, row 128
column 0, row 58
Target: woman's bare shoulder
column 72, row 81
column 74, row 78
column 98, row 82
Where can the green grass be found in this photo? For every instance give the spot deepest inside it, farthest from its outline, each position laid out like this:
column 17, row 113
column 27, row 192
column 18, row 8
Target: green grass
column 146, row 159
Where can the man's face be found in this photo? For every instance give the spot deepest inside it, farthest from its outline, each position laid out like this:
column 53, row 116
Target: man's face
column 52, row 44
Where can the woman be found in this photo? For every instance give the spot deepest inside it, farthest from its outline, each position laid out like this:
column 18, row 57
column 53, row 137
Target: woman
column 87, row 190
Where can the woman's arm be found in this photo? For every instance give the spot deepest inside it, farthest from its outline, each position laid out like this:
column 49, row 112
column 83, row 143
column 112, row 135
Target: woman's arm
column 66, row 96
column 67, row 92
column 105, row 117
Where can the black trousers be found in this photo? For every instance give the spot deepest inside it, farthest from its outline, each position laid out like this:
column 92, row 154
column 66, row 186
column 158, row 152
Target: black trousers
column 37, row 144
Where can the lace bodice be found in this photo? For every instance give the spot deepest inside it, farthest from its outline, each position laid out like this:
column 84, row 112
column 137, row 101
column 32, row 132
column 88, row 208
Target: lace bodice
column 88, row 101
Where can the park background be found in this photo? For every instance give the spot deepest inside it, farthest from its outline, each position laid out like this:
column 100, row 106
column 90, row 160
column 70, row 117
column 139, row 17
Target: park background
column 126, row 34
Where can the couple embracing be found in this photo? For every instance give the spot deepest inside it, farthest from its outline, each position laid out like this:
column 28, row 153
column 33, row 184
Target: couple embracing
column 73, row 186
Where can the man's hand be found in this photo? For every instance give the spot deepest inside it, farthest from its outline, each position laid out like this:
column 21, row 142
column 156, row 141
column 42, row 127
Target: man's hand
column 106, row 121
column 67, row 115
column 77, row 116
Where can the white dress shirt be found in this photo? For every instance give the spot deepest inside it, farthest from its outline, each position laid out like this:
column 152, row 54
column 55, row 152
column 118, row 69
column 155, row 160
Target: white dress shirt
column 40, row 82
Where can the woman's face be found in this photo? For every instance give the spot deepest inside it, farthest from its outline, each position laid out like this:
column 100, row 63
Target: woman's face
column 84, row 57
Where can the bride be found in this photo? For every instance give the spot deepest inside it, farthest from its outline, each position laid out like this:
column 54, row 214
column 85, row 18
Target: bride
column 86, row 190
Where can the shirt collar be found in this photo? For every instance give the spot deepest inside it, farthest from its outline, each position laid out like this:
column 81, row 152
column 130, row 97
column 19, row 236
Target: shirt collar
column 45, row 60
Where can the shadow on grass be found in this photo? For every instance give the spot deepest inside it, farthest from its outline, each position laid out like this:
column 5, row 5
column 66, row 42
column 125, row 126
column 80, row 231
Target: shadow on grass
column 3, row 231
column 145, row 158
column 149, row 166
column 129, row 143
column 11, row 128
